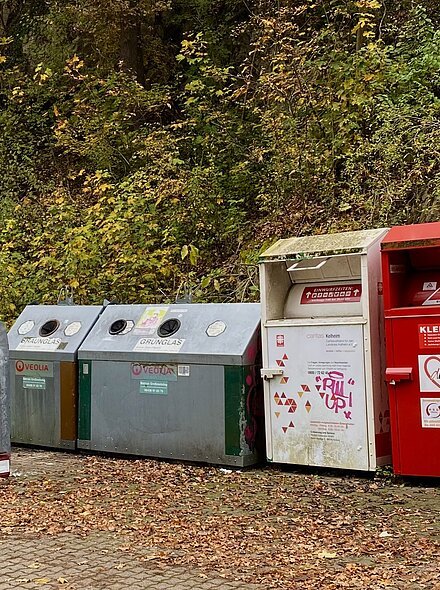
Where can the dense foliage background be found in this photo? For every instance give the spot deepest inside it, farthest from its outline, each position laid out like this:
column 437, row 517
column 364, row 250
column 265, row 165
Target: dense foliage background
column 152, row 146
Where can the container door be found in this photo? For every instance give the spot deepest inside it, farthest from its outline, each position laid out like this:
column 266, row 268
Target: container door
column 318, row 406
column 415, row 398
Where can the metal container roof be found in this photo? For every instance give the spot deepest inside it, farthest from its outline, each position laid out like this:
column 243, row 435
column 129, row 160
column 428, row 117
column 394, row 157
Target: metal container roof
column 200, row 333
column 327, row 244
column 421, row 235
column 51, row 332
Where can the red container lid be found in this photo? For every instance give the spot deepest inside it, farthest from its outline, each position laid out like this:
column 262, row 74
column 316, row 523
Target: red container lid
column 422, row 235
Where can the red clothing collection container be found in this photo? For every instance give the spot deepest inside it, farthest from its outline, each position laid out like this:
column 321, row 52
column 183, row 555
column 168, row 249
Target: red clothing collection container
column 411, row 288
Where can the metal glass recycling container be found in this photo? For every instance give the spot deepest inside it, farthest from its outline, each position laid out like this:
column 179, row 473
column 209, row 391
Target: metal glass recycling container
column 5, row 436
column 325, row 396
column 43, row 343
column 411, row 280
column 175, row 381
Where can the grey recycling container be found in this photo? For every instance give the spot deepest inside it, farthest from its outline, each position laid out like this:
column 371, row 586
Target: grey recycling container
column 5, row 435
column 43, row 344
column 173, row 381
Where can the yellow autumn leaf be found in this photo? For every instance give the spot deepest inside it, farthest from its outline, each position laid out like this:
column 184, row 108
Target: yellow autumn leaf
column 327, row 555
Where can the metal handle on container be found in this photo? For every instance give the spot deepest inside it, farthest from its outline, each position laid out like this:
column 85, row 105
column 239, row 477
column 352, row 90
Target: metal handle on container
column 396, row 374
column 271, row 373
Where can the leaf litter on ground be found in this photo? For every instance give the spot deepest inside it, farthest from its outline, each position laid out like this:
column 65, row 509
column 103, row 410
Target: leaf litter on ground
column 274, row 526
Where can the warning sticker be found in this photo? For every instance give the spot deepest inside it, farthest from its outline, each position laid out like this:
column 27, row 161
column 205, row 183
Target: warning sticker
column 331, row 294
column 431, row 286
column 429, row 336
column 429, row 372
column 430, row 410
column 40, row 343
column 159, row 345
column 433, row 299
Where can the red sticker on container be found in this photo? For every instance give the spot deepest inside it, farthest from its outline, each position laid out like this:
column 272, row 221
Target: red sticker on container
column 429, row 336
column 280, row 340
column 332, row 294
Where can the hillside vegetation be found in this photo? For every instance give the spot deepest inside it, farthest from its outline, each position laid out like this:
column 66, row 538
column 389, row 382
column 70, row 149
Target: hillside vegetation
column 148, row 147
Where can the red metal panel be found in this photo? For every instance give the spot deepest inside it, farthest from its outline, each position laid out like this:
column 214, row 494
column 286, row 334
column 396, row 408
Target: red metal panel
column 411, row 280
column 415, row 446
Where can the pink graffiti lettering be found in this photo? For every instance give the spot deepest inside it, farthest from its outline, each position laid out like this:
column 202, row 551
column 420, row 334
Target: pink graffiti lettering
column 333, row 388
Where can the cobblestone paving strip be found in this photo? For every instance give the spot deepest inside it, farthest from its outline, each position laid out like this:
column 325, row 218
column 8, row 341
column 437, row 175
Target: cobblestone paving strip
column 93, row 563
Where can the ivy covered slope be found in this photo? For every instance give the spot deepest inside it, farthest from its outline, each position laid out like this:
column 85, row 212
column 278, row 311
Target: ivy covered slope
column 151, row 145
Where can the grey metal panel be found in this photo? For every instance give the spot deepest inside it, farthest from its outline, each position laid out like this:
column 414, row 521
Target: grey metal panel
column 35, row 413
column 231, row 347
column 36, row 391
column 65, row 314
column 5, row 439
column 187, row 422
column 358, row 241
column 178, row 424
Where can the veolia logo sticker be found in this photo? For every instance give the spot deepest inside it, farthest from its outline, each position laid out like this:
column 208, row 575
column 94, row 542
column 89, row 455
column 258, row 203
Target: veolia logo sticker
column 33, row 368
column 153, row 371
column 430, row 411
column 429, row 372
